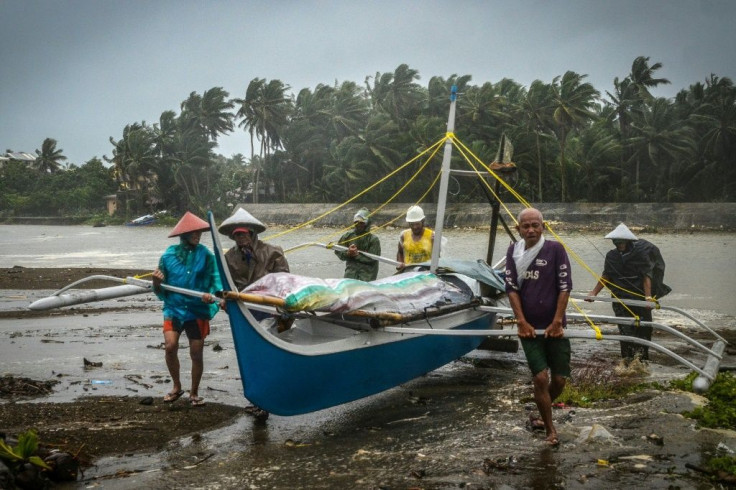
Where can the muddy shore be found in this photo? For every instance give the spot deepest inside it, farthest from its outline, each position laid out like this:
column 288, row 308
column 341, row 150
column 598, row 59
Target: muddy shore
column 93, row 426
column 462, row 427
column 25, row 278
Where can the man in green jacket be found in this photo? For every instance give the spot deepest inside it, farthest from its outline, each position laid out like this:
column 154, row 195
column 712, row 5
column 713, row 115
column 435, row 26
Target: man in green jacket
column 360, row 239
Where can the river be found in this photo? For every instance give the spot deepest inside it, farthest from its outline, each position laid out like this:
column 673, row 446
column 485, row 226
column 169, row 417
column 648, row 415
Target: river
column 435, row 432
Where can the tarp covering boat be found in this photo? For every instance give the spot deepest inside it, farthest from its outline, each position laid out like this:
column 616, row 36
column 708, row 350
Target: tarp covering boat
column 406, row 293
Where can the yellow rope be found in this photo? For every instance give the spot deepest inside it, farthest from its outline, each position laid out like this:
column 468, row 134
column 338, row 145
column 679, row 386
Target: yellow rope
column 436, row 147
column 364, row 191
column 469, row 157
column 465, row 151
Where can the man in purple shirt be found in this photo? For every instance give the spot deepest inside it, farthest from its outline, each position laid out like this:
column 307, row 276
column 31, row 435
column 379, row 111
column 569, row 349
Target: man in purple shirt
column 538, row 284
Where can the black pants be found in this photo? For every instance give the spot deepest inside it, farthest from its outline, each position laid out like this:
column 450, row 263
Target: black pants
column 630, row 350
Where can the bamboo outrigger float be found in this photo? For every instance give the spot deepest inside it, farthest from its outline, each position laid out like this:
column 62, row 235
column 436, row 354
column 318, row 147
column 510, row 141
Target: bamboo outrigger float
column 327, row 358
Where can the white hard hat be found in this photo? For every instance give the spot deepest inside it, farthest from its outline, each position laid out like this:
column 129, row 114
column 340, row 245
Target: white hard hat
column 621, row 232
column 414, row 214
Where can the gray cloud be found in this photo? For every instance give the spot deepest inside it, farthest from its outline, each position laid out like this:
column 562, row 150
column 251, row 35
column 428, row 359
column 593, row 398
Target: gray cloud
column 80, row 70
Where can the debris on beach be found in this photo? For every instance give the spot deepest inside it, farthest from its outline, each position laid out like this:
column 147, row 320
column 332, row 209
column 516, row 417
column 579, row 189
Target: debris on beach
column 91, row 364
column 10, row 387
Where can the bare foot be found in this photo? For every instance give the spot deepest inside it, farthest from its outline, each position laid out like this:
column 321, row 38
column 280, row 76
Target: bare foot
column 552, row 439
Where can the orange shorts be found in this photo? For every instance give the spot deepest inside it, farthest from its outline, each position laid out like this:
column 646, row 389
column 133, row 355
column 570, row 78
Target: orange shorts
column 197, row 329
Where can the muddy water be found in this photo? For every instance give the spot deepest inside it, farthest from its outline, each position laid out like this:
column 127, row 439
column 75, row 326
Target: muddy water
column 460, row 426
column 699, row 266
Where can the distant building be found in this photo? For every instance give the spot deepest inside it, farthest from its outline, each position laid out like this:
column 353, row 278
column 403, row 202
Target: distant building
column 20, row 156
column 112, row 203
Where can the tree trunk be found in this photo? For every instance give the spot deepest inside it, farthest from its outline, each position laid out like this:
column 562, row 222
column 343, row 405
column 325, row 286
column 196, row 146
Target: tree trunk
column 539, row 168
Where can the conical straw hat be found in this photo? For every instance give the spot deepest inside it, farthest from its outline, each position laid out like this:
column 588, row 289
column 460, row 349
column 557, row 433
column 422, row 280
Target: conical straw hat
column 241, row 218
column 621, row 232
column 188, row 223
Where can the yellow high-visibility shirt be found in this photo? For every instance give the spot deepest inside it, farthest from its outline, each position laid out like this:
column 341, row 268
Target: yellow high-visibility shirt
column 417, row 251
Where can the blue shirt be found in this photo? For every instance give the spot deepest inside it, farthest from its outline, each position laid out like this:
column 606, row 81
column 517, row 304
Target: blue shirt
column 189, row 268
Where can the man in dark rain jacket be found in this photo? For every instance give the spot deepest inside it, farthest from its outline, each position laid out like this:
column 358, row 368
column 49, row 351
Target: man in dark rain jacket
column 360, row 238
column 634, row 269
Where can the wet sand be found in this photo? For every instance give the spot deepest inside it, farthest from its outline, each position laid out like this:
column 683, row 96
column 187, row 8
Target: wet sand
column 25, row 278
column 460, row 426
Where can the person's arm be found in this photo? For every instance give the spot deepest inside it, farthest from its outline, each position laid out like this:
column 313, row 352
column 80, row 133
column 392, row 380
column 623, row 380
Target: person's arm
column 342, row 254
column 598, row 287
column 280, row 264
column 400, row 253
column 647, row 284
column 215, row 283
column 554, row 329
column 372, row 246
column 157, row 278
column 523, row 328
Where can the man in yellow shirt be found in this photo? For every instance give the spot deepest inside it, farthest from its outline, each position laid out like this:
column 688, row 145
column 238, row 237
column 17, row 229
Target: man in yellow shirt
column 415, row 244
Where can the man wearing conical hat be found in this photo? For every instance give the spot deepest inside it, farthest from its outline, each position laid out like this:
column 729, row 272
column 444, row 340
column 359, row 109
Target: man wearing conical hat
column 250, row 259
column 634, row 270
column 188, row 265
column 360, row 239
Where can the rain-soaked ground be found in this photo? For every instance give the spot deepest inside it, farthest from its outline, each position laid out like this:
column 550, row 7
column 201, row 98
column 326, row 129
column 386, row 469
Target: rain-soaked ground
column 462, row 426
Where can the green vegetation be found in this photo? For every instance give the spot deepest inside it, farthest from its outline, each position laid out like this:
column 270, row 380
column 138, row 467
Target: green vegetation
column 593, row 382
column 723, row 464
column 719, row 413
column 572, row 143
column 23, row 452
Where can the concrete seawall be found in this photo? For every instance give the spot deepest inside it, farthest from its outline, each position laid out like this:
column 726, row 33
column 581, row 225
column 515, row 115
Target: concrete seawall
column 663, row 217
column 655, row 216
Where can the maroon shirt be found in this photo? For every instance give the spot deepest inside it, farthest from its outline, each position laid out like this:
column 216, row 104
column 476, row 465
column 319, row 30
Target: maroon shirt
column 547, row 276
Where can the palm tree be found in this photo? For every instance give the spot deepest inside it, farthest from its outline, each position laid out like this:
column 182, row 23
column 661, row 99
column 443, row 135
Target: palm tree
column 536, row 115
column 209, row 112
column 49, row 159
column 642, row 77
column 265, row 111
column 661, row 139
column 716, row 118
column 632, row 96
column 397, row 94
column 573, row 102
column 191, row 165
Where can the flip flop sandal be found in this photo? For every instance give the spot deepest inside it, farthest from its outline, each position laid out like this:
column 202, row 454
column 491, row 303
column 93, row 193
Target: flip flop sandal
column 173, row 396
column 196, row 401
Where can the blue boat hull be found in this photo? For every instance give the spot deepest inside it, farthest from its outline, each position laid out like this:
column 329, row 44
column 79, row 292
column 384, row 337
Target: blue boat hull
column 292, row 379
column 289, row 383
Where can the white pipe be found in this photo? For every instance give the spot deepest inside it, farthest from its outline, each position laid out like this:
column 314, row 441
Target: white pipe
column 651, row 304
column 379, row 258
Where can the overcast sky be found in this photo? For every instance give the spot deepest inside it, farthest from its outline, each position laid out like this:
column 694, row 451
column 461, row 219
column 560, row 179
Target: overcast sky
column 78, row 71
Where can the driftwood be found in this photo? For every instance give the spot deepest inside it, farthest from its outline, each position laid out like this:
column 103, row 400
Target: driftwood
column 11, row 386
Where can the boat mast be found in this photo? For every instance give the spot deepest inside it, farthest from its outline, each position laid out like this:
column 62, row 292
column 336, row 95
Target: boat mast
column 444, row 182
column 495, row 206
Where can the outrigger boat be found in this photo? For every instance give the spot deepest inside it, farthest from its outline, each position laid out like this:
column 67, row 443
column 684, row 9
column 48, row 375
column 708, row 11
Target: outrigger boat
column 333, row 356
column 145, row 220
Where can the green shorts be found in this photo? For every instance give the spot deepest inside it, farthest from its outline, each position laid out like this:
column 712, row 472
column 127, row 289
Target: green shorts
column 542, row 353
